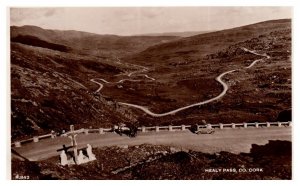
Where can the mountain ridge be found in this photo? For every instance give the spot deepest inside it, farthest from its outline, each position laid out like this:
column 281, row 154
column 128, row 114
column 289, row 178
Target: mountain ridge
column 86, row 43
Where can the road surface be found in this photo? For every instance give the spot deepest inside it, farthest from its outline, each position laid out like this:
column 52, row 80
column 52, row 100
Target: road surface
column 94, row 80
column 232, row 140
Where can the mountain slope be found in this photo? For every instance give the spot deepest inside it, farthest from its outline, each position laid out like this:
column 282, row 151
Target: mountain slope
column 195, row 47
column 51, row 90
column 89, row 43
column 35, row 41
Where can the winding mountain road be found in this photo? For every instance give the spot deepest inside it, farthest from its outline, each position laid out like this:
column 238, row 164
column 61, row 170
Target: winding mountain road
column 146, row 76
column 101, row 85
column 146, row 110
column 218, row 79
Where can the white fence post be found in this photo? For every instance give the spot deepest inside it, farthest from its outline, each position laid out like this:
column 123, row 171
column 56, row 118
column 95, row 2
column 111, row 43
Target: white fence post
column 256, row 125
column 182, row 127
column 53, row 134
column 35, row 139
column 233, row 125
column 245, row 125
column 279, row 124
column 86, row 131
column 221, row 126
column 17, row 144
column 156, row 128
column 268, row 124
column 101, row 131
column 143, row 129
column 170, row 128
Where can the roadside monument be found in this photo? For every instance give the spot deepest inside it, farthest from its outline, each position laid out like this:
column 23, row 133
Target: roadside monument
column 77, row 158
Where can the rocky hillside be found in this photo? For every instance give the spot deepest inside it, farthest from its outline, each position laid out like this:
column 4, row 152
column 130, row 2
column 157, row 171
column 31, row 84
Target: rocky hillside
column 52, row 89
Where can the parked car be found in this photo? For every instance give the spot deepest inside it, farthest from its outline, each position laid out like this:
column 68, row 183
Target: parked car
column 205, row 131
column 202, row 129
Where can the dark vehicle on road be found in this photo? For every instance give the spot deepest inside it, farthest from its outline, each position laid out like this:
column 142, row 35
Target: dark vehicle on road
column 127, row 129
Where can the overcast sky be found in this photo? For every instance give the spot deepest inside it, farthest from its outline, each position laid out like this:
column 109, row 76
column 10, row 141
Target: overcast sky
column 131, row 21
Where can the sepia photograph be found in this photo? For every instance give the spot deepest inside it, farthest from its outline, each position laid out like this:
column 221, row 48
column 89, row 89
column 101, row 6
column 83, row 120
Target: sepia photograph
column 151, row 93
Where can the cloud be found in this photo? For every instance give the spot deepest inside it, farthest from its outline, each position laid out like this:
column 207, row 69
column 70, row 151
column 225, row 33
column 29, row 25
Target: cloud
column 20, row 15
column 151, row 13
column 50, row 12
